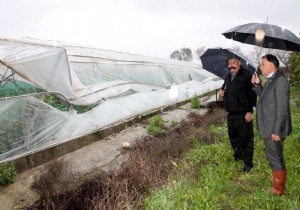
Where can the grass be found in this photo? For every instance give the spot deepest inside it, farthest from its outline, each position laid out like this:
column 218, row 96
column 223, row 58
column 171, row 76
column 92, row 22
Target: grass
column 222, row 184
column 195, row 102
column 156, row 125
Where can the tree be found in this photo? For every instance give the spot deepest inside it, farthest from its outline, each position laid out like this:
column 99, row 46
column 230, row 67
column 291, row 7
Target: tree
column 256, row 54
column 294, row 64
column 237, row 49
column 200, row 51
column 185, row 54
column 175, row 55
column 283, row 56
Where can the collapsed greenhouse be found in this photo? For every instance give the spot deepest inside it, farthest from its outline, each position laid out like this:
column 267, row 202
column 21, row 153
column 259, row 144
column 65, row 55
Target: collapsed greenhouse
column 55, row 92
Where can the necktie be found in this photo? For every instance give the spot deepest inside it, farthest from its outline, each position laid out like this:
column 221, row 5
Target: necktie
column 269, row 80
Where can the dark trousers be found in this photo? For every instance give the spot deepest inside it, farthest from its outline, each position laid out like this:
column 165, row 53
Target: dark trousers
column 274, row 151
column 241, row 137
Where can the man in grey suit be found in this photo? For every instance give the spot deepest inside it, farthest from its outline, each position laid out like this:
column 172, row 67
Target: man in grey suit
column 273, row 117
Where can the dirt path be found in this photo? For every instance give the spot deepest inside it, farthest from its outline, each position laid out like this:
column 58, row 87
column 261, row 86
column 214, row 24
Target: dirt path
column 105, row 155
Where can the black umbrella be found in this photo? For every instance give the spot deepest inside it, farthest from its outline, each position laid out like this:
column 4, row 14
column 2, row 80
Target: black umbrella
column 214, row 60
column 264, row 35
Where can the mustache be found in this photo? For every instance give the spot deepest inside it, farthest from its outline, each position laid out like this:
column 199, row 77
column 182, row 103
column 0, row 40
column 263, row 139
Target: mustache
column 231, row 68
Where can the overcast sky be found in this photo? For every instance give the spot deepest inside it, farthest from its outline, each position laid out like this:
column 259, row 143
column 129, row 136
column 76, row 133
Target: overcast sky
column 148, row 27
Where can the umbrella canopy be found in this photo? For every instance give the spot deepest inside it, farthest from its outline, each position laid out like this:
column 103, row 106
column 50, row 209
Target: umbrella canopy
column 214, row 60
column 264, row 35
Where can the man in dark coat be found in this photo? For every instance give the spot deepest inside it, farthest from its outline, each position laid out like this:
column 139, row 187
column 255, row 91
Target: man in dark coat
column 273, row 117
column 239, row 100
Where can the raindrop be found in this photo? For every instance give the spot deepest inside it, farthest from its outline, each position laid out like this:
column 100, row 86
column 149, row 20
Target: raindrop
column 259, row 35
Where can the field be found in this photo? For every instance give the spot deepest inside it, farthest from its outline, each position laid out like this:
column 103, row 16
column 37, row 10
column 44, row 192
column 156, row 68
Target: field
column 186, row 166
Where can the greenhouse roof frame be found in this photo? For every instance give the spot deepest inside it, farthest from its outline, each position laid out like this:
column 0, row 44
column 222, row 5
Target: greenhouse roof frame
column 120, row 85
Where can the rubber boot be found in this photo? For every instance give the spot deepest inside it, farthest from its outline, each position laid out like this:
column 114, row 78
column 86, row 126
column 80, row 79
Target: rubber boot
column 279, row 178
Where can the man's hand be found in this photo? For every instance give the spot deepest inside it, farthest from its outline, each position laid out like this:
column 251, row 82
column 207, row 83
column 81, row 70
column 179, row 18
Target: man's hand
column 248, row 117
column 275, row 137
column 255, row 79
column 221, row 93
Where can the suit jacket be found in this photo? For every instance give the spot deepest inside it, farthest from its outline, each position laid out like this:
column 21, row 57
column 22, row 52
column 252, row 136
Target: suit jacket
column 239, row 96
column 272, row 110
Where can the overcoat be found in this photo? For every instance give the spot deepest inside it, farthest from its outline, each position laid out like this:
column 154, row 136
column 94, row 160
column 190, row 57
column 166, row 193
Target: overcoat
column 239, row 96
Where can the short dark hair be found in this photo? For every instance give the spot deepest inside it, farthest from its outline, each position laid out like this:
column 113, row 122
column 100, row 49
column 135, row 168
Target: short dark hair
column 271, row 58
column 233, row 57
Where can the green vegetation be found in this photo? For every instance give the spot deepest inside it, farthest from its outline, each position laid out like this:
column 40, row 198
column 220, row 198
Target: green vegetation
column 11, row 89
column 17, row 88
column 294, row 62
column 209, row 178
column 195, row 102
column 12, row 132
column 156, row 125
column 173, row 123
column 7, row 173
column 59, row 104
column 54, row 101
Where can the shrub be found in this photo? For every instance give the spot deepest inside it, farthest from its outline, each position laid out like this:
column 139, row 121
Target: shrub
column 157, row 121
column 7, row 173
column 156, row 125
column 195, row 101
column 153, row 130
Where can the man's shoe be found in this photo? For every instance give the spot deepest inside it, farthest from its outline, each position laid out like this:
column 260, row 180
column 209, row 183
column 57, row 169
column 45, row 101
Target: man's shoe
column 237, row 157
column 247, row 169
